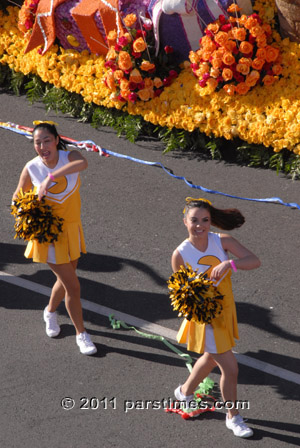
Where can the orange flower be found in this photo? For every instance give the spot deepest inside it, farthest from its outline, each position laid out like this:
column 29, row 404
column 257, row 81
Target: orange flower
column 244, row 69
column 239, row 33
column 228, row 58
column 277, row 69
column 124, row 61
column 214, row 72
column 221, row 38
column 112, row 37
column 118, row 74
column 261, row 41
column 110, row 81
column 227, row 74
column 213, row 27
column 229, row 89
column 209, row 46
column 135, row 76
column 230, row 45
column 246, row 47
column 258, row 63
column 243, row 19
column 157, row 82
column 257, row 30
column 250, row 23
column 246, row 61
column 111, row 54
column 194, row 57
column 125, row 93
column 212, row 83
column 146, row 66
column 261, row 53
column 148, row 83
column 124, row 84
column 216, row 63
column 233, row 8
column 128, row 37
column 268, row 80
column 139, row 45
column 129, row 20
column 271, row 53
column 252, row 78
column 206, row 55
column 144, row 94
column 242, row 88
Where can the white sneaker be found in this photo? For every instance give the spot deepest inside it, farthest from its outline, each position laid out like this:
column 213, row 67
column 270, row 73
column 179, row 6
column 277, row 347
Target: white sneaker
column 238, row 426
column 185, row 398
column 52, row 327
column 85, row 344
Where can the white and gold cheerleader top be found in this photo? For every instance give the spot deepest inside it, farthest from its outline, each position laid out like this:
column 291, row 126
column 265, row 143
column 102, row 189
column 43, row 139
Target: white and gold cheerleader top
column 64, row 198
column 224, row 327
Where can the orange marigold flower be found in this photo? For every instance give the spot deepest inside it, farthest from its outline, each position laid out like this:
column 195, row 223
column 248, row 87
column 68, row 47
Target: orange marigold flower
column 135, row 76
column 239, row 33
column 124, row 61
column 246, row 47
column 242, row 88
column 139, row 45
column 229, row 89
column 271, row 53
column 277, row 69
column 261, row 53
column 228, row 58
column 268, row 80
column 129, row 20
column 221, row 37
column 118, row 74
column 227, row 74
column 146, row 66
column 258, row 63
column 244, row 69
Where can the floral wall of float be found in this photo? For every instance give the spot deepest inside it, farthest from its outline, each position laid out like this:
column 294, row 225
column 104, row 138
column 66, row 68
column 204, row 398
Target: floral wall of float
column 267, row 114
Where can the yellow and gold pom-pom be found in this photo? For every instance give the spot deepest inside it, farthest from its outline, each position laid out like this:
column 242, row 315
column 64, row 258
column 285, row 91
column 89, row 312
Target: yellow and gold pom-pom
column 34, row 218
column 194, row 296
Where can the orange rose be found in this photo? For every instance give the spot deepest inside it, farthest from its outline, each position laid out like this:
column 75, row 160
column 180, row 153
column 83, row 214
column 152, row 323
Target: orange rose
column 213, row 27
column 250, row 23
column 148, row 83
column 267, row 28
column 227, row 74
column 243, row 19
column 214, row 72
column 271, row 53
column 244, row 69
column 118, row 74
column 257, row 30
column 228, row 58
column 146, row 66
column 128, row 37
column 277, row 69
column 242, row 88
column 216, row 63
column 124, row 84
column 233, row 8
column 111, row 54
column 206, row 55
column 268, row 80
column 229, row 89
column 124, row 61
column 157, row 82
column 246, row 61
column 135, row 76
column 261, row 53
column 112, row 37
column 110, row 81
column 221, row 38
column 139, row 45
column 257, row 64
column 194, row 57
column 129, row 20
column 246, row 47
column 239, row 33
column 125, row 93
column 252, row 78
column 212, row 83
column 230, row 45
column 144, row 94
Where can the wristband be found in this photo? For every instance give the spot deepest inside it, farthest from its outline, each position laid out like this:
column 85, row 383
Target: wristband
column 233, row 266
column 51, row 176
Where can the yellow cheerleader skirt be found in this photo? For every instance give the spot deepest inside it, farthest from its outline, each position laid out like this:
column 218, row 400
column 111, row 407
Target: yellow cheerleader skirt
column 69, row 245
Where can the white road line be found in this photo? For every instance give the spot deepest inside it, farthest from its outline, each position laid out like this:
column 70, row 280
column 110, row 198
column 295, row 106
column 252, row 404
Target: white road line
column 149, row 326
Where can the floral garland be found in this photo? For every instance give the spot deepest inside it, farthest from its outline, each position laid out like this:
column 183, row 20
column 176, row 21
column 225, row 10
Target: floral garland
column 236, row 54
column 267, row 115
column 194, row 296
column 134, row 72
column 34, row 218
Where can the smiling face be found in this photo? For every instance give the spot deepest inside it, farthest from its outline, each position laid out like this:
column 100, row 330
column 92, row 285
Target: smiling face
column 198, row 222
column 45, row 145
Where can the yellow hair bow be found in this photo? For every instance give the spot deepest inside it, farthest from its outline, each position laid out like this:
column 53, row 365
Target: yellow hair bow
column 188, row 200
column 48, row 122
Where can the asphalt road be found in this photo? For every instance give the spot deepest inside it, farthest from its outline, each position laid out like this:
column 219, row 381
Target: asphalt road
column 132, row 217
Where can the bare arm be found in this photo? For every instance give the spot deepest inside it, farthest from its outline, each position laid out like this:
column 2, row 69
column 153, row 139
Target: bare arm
column 24, row 183
column 176, row 261
column 245, row 259
column 76, row 164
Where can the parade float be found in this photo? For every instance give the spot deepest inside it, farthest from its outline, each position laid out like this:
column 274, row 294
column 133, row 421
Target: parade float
column 221, row 77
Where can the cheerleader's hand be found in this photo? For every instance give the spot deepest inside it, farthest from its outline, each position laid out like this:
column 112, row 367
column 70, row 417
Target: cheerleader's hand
column 43, row 188
column 220, row 270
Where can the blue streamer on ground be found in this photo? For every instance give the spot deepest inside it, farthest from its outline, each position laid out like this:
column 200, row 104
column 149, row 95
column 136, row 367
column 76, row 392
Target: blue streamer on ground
column 91, row 146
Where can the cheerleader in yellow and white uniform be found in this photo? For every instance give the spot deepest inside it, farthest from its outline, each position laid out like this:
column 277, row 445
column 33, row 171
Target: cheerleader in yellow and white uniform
column 55, row 175
column 207, row 252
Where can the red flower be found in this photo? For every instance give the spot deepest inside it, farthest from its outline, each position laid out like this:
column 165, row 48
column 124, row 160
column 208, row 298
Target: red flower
column 209, row 33
column 136, row 55
column 118, row 47
column 226, row 27
column 132, row 85
column 167, row 81
column 251, row 39
column 141, row 85
column 173, row 74
column 202, row 82
column 132, row 97
column 168, row 49
column 157, row 92
column 123, row 41
column 140, row 33
column 222, row 19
